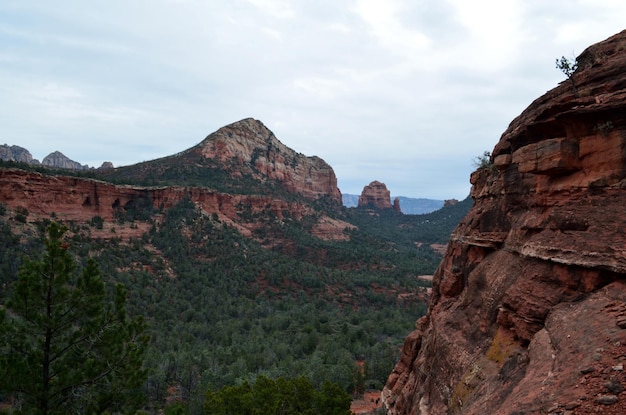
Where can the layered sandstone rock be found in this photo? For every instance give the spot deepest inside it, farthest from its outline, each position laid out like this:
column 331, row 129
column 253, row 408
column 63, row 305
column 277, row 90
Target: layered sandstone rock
column 249, row 147
column 528, row 311
column 376, row 195
column 76, row 199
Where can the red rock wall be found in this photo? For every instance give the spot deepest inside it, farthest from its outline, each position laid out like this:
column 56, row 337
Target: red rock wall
column 71, row 198
column 528, row 311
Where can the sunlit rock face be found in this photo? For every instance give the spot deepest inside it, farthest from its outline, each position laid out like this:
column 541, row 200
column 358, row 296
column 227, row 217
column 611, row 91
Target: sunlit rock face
column 528, row 312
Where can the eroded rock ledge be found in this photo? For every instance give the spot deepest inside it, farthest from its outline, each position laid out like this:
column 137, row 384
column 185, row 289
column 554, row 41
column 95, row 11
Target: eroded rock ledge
column 528, row 312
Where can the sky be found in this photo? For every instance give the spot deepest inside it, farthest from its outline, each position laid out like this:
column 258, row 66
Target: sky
column 406, row 92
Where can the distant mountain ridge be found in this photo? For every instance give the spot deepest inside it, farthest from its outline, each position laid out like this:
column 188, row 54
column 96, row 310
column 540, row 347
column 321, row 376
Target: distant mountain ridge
column 408, row 205
column 55, row 160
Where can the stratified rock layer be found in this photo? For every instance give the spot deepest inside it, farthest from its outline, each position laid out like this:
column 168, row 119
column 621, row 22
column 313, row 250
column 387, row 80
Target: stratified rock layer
column 528, row 311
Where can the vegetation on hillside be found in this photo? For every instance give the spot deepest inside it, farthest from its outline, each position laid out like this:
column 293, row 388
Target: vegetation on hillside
column 223, row 310
column 63, row 347
column 281, row 396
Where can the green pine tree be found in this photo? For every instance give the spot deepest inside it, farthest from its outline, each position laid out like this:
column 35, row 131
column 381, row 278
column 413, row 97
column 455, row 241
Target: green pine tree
column 64, row 346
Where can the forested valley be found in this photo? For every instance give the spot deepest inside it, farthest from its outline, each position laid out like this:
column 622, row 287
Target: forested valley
column 224, row 310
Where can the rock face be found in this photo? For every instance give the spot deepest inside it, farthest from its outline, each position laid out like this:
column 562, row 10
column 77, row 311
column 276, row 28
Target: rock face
column 375, row 195
column 249, row 147
column 59, row 160
column 528, row 310
column 70, row 198
column 16, row 153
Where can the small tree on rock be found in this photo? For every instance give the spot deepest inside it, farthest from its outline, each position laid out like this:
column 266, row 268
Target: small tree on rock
column 568, row 67
column 64, row 348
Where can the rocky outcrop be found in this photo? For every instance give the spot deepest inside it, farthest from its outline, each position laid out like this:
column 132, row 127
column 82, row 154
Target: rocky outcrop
column 249, row 147
column 396, row 205
column 528, row 309
column 58, row 160
column 375, row 195
column 17, row 154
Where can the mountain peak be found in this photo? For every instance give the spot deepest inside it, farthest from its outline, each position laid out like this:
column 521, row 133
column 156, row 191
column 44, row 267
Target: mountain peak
column 17, row 154
column 59, row 160
column 249, row 147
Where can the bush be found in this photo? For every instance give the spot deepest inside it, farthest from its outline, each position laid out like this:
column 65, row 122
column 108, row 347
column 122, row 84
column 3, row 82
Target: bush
column 21, row 213
column 97, row 222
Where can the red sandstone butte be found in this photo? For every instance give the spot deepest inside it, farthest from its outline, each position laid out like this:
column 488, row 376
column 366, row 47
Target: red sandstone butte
column 375, row 195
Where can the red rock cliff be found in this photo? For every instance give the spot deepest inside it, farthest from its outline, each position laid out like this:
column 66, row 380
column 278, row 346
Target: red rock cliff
column 77, row 199
column 528, row 312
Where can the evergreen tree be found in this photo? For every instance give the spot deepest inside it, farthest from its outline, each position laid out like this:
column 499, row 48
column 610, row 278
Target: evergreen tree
column 64, row 346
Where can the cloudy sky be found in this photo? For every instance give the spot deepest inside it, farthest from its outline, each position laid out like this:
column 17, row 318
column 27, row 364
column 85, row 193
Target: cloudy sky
column 407, row 92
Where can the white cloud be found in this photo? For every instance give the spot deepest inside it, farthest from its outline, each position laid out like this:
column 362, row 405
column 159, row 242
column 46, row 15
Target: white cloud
column 386, row 26
column 280, row 9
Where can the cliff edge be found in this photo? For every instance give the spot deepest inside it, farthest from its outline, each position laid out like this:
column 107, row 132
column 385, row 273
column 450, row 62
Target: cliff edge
column 528, row 312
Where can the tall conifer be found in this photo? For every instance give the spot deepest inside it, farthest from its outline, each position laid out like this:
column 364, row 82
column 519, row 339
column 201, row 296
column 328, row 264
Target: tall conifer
column 64, row 346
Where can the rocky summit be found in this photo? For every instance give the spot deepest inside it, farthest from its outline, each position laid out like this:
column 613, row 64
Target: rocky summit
column 249, row 147
column 528, row 312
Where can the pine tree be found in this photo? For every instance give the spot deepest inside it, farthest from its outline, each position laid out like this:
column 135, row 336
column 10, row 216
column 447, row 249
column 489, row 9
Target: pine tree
column 65, row 347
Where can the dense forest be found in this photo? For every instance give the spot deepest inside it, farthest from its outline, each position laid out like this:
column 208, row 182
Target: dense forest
column 224, row 310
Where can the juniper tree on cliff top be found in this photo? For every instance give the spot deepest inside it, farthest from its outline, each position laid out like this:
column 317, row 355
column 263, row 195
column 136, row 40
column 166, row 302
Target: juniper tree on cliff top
column 64, row 346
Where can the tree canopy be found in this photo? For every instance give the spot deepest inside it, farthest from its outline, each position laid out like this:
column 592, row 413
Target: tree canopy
column 65, row 345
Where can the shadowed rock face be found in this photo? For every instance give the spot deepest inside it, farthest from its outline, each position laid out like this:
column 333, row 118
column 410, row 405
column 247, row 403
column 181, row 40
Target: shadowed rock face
column 528, row 312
